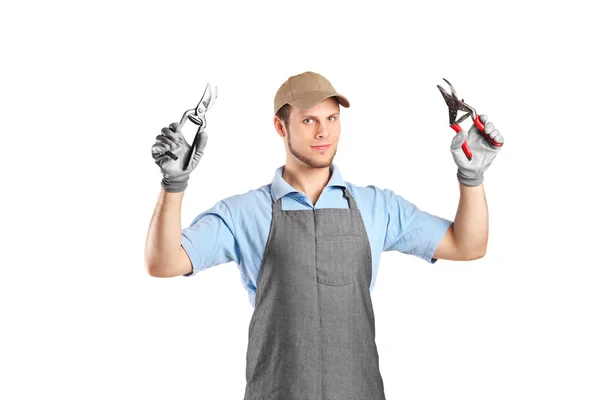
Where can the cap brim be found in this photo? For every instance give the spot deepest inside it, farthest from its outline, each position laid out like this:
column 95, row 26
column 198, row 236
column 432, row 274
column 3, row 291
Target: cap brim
column 311, row 99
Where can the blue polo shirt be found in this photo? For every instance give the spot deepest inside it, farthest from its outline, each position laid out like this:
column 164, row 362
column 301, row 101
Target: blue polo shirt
column 237, row 228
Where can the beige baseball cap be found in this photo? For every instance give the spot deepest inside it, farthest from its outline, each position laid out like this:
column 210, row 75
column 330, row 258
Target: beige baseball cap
column 305, row 91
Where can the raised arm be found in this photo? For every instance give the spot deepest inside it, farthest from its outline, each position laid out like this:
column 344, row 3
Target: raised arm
column 163, row 255
column 467, row 237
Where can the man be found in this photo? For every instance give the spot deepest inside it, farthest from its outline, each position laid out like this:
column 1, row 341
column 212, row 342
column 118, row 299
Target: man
column 308, row 246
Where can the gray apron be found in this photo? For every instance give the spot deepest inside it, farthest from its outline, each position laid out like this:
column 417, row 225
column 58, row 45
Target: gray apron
column 312, row 333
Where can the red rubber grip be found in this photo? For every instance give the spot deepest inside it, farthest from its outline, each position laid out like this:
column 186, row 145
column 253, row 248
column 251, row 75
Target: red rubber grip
column 480, row 125
column 465, row 145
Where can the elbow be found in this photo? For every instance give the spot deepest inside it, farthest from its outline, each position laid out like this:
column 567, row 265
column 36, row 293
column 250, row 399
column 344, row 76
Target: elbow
column 482, row 251
column 161, row 269
column 475, row 255
column 152, row 271
column 154, row 268
column 156, row 271
column 168, row 267
column 149, row 265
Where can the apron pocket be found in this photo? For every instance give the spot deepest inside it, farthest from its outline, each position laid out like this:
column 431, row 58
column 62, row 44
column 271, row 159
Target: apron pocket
column 337, row 259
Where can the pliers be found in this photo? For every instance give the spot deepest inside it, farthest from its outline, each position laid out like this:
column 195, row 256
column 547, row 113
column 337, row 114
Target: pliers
column 454, row 105
column 198, row 115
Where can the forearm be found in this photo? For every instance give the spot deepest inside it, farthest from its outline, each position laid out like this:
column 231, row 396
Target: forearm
column 163, row 241
column 471, row 221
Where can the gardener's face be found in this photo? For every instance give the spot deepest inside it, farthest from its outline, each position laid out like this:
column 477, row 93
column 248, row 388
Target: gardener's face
column 313, row 134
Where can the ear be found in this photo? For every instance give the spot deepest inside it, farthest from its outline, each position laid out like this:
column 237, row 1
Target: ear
column 279, row 126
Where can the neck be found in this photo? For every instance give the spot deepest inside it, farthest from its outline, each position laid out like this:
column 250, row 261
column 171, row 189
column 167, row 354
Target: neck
column 307, row 180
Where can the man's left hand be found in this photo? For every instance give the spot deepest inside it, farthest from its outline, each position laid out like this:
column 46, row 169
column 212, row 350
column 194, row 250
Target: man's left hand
column 470, row 173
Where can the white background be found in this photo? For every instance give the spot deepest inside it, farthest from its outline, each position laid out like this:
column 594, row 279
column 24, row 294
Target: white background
column 85, row 88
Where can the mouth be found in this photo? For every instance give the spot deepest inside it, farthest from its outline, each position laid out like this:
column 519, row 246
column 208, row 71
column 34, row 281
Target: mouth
column 321, row 148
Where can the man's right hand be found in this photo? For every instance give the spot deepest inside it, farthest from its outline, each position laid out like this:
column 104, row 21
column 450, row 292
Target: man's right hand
column 177, row 172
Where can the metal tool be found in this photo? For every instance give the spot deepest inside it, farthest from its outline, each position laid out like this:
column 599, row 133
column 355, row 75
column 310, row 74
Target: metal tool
column 454, row 105
column 197, row 116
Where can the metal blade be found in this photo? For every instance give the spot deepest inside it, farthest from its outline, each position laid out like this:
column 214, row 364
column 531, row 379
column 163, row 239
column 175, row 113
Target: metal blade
column 445, row 94
column 213, row 98
column 451, row 89
column 453, row 113
column 201, row 107
column 452, row 104
column 461, row 119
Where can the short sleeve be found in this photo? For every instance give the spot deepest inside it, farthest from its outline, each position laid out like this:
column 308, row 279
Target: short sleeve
column 410, row 230
column 210, row 239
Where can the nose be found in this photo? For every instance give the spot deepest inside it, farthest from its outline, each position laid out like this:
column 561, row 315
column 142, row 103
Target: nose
column 322, row 131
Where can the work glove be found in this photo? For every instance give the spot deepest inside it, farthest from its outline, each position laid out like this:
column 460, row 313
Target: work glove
column 176, row 173
column 470, row 172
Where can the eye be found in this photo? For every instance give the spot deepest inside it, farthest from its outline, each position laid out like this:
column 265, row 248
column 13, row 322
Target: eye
column 308, row 119
column 333, row 118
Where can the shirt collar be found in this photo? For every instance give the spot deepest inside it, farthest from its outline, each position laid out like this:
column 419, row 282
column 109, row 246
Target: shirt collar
column 280, row 188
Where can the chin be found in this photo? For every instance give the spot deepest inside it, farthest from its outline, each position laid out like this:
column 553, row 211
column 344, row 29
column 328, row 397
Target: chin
column 313, row 160
column 320, row 162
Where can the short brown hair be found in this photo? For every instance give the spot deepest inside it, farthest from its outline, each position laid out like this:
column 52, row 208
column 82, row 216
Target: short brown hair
column 284, row 113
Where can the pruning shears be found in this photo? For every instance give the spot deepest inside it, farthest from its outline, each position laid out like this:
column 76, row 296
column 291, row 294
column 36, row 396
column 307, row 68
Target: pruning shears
column 454, row 105
column 198, row 115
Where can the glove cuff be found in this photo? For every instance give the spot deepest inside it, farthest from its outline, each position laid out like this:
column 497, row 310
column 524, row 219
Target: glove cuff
column 174, row 186
column 467, row 181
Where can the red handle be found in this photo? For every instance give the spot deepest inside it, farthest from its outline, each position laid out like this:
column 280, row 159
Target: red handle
column 481, row 126
column 465, row 145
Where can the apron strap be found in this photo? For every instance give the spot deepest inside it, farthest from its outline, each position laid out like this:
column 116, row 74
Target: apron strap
column 277, row 204
column 351, row 201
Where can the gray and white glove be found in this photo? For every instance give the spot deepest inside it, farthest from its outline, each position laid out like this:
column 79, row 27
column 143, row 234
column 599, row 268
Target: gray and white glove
column 176, row 173
column 470, row 172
